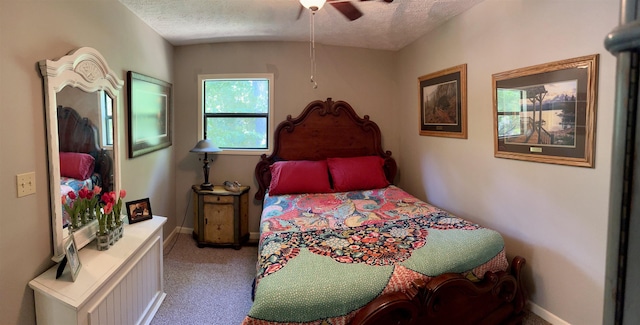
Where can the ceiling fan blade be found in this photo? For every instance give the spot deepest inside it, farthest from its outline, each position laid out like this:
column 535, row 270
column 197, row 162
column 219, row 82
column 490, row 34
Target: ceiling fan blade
column 300, row 12
column 347, row 9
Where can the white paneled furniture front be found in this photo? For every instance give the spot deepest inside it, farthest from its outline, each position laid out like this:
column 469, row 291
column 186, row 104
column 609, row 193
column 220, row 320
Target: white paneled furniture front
column 122, row 285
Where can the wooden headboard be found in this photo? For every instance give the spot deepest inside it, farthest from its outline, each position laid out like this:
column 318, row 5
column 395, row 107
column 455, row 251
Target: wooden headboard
column 323, row 130
column 79, row 134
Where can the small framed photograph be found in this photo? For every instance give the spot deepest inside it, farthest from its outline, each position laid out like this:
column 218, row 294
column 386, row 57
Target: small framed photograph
column 73, row 260
column 139, row 210
column 547, row 113
column 443, row 103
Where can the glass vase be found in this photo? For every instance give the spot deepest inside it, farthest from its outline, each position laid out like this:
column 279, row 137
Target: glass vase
column 102, row 241
column 120, row 230
column 112, row 236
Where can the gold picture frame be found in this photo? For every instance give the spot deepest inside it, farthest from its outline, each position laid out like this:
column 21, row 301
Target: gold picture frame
column 443, row 103
column 547, row 113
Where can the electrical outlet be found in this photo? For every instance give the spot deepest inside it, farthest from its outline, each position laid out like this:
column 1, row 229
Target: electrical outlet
column 26, row 184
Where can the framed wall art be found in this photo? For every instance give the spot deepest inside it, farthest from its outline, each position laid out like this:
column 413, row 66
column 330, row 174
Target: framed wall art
column 547, row 113
column 443, row 103
column 139, row 210
column 150, row 109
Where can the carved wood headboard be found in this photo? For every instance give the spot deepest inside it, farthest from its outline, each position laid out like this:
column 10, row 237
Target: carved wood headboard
column 323, row 130
column 79, row 134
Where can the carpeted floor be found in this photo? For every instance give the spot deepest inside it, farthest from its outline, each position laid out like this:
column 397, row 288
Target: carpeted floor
column 212, row 286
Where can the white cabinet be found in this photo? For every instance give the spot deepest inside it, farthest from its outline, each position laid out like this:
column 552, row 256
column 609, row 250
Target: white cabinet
column 122, row 285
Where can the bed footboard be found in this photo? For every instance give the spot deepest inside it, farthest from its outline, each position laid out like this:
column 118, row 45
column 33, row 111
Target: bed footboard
column 452, row 299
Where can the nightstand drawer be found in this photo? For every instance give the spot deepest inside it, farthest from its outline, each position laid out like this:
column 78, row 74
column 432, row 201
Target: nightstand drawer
column 218, row 199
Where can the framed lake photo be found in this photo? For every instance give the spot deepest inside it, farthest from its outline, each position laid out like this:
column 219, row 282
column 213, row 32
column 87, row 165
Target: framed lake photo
column 150, row 108
column 443, row 103
column 547, row 113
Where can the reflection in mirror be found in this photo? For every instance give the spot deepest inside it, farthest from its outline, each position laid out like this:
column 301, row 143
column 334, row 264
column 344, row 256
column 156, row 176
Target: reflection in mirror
column 81, row 97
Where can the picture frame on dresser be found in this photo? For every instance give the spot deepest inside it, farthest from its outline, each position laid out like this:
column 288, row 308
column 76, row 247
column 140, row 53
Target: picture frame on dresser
column 443, row 103
column 139, row 210
column 72, row 258
column 547, row 113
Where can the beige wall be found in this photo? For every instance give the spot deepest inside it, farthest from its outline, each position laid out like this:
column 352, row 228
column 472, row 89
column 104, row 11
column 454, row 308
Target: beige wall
column 31, row 31
column 562, row 234
column 363, row 78
column 555, row 216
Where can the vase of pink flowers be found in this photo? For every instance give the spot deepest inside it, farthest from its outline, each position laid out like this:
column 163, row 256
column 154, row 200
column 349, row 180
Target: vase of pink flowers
column 110, row 227
column 102, row 235
column 79, row 207
column 117, row 210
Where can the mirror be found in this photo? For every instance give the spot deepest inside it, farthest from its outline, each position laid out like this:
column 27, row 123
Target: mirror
column 81, row 104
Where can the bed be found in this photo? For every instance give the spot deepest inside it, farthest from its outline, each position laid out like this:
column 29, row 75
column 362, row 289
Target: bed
column 83, row 163
column 340, row 244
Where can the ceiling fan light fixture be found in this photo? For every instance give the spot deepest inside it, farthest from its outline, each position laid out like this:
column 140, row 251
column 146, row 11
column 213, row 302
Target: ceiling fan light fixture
column 313, row 5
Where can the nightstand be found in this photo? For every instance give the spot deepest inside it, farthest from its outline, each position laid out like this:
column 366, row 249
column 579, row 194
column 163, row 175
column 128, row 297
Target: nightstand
column 221, row 217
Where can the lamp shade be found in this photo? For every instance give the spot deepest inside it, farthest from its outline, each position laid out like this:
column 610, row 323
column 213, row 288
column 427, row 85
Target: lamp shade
column 205, row 146
column 312, row 4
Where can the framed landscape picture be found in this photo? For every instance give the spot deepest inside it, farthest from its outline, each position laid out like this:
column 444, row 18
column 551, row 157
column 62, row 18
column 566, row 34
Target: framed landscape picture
column 443, row 103
column 150, row 108
column 547, row 113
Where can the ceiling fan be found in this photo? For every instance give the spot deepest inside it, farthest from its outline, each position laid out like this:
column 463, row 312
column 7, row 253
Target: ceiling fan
column 348, row 9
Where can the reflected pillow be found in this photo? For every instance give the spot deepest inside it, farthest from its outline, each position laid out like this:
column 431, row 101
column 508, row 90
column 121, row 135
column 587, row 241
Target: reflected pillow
column 357, row 173
column 76, row 165
column 299, row 176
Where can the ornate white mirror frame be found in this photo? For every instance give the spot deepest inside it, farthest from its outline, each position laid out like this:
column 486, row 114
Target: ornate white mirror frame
column 86, row 69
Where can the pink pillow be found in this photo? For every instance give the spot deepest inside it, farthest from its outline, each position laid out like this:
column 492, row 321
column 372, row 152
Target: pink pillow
column 299, row 176
column 76, row 165
column 357, row 173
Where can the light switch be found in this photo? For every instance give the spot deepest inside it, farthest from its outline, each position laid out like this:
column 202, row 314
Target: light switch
column 26, row 183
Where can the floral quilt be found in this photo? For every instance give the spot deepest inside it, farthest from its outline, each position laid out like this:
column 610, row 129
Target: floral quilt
column 322, row 257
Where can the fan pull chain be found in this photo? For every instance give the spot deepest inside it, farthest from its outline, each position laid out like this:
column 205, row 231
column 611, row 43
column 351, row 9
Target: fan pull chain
column 312, row 47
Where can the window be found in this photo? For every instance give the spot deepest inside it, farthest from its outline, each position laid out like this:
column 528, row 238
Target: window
column 236, row 111
column 107, row 119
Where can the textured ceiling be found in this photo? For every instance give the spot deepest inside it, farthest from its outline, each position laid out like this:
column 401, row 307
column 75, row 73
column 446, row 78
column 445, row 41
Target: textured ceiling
column 388, row 26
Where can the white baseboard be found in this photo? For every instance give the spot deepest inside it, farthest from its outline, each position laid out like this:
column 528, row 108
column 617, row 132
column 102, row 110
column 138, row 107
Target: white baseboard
column 174, row 233
column 254, row 237
column 184, row 230
column 545, row 314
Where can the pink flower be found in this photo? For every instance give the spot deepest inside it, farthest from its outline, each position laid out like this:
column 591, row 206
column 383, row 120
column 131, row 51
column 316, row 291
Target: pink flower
column 84, row 192
column 64, row 199
column 96, row 190
column 108, row 208
column 72, row 195
column 107, row 198
column 123, row 193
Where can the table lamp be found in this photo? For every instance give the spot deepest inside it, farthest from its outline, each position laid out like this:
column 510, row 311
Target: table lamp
column 205, row 146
